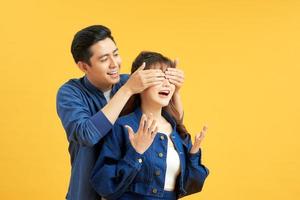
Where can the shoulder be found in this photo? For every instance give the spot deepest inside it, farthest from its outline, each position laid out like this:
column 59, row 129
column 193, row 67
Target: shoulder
column 71, row 87
column 129, row 119
column 75, row 90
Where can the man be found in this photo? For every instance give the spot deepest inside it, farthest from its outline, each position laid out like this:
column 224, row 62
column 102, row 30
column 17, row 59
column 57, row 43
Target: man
column 89, row 106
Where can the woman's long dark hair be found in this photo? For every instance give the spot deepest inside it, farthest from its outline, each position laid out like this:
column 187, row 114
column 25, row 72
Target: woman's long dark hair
column 152, row 58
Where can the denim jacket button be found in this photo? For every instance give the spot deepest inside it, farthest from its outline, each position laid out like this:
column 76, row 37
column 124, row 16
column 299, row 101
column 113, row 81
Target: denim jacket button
column 140, row 160
column 160, row 155
column 154, row 190
column 162, row 137
column 157, row 173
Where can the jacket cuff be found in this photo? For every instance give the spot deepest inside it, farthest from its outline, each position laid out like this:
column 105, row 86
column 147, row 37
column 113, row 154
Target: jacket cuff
column 195, row 158
column 134, row 158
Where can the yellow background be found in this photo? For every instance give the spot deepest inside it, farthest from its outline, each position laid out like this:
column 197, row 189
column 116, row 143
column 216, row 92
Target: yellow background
column 241, row 62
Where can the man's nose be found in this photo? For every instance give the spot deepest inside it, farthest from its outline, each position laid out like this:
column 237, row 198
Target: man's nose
column 113, row 62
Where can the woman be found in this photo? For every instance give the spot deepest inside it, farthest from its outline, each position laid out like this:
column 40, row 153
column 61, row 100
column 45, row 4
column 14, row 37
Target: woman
column 149, row 154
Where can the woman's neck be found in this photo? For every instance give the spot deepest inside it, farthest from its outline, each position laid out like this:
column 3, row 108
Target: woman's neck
column 163, row 125
column 154, row 110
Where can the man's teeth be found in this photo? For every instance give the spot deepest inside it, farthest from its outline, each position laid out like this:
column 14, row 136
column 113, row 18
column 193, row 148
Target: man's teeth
column 113, row 72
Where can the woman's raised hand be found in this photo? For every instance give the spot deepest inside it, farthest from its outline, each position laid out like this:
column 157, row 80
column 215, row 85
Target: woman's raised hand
column 198, row 139
column 143, row 138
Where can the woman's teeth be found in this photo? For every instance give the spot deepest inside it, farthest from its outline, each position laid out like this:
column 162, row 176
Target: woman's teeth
column 165, row 93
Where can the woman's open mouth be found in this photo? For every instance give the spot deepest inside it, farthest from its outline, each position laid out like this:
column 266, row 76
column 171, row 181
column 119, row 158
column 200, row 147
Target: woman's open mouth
column 164, row 93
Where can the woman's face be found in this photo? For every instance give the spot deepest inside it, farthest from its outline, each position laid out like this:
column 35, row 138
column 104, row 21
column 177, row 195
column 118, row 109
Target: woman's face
column 161, row 94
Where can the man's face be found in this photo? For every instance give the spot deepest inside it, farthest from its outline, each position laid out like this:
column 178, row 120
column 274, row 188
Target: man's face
column 105, row 63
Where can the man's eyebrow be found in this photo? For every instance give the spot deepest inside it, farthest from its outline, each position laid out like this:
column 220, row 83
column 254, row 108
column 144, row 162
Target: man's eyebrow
column 114, row 51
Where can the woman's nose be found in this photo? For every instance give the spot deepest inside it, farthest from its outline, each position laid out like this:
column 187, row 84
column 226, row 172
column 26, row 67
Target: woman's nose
column 166, row 82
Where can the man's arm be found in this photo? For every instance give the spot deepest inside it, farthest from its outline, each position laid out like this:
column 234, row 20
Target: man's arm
column 137, row 82
column 87, row 129
column 178, row 104
column 80, row 125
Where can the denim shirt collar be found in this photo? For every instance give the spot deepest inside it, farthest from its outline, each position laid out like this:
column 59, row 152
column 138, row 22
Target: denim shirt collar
column 93, row 88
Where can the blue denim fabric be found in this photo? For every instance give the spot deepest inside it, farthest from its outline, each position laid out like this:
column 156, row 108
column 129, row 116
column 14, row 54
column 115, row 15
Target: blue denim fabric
column 120, row 170
column 79, row 105
column 167, row 195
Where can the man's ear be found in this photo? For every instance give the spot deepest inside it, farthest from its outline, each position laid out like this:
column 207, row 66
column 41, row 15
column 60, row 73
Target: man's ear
column 83, row 66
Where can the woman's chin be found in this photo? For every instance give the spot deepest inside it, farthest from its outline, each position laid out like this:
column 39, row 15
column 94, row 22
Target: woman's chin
column 164, row 104
column 161, row 102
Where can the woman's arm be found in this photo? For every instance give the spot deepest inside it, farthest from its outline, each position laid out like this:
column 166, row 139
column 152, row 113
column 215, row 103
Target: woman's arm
column 195, row 175
column 114, row 171
column 196, row 172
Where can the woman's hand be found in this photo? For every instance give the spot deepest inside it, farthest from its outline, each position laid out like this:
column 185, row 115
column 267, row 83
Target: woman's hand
column 198, row 139
column 143, row 138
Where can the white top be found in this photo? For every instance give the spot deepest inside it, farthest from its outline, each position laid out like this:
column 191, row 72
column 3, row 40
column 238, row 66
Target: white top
column 173, row 167
column 107, row 95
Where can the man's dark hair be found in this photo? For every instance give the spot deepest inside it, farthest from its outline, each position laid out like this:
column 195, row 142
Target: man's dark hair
column 85, row 38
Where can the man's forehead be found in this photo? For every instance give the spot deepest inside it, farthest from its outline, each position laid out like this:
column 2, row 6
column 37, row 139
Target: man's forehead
column 102, row 47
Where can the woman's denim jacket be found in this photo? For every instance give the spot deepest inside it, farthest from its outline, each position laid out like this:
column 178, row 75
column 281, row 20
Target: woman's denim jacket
column 120, row 169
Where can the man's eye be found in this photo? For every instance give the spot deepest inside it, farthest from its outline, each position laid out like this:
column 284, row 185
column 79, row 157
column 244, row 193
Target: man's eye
column 103, row 60
column 116, row 54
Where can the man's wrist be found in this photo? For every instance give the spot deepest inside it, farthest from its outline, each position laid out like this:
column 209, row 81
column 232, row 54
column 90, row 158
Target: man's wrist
column 126, row 90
